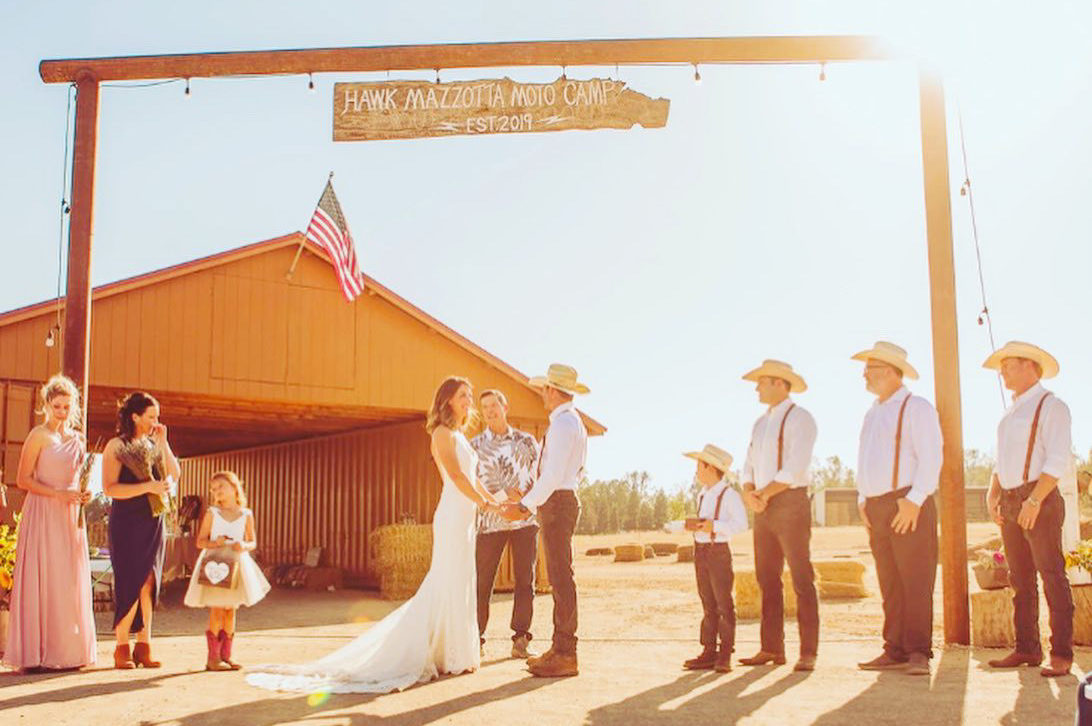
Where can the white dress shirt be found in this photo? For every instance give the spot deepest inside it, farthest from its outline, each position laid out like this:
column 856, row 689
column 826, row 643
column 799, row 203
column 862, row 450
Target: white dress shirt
column 563, row 453
column 1053, row 442
column 760, row 467
column 920, row 454
column 732, row 519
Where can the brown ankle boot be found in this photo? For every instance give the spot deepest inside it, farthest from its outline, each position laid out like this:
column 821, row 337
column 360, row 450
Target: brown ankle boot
column 214, row 661
column 225, row 649
column 142, row 656
column 122, row 659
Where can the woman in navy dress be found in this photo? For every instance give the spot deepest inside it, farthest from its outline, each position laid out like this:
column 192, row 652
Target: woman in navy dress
column 135, row 466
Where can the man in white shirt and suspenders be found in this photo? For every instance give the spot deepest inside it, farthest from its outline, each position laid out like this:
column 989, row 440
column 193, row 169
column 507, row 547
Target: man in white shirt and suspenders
column 720, row 515
column 775, row 486
column 553, row 498
column 898, row 470
column 1034, row 445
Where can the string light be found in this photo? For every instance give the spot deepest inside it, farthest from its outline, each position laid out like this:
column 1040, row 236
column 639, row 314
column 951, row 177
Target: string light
column 697, row 74
column 822, row 71
column 310, row 83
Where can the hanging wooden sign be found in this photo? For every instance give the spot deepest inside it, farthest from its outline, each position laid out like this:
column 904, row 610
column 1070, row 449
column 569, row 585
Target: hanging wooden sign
column 415, row 109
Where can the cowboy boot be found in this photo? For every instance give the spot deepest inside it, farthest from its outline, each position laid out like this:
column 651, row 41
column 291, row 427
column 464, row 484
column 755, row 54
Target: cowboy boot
column 142, row 656
column 225, row 649
column 123, row 660
column 764, row 657
column 1016, row 659
column 213, row 663
column 704, row 660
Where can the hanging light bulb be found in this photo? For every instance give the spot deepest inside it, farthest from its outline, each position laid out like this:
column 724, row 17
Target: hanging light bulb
column 310, row 83
column 563, row 76
column 51, row 338
column 187, row 93
column 964, row 187
column 822, row 71
column 437, row 75
column 697, row 74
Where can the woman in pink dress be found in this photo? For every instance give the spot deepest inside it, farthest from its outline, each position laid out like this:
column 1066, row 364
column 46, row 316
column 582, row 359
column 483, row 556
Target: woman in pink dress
column 52, row 625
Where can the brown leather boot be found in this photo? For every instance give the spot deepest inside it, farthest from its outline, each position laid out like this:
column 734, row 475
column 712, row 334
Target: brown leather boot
column 225, row 650
column 536, row 659
column 214, row 661
column 724, row 662
column 1058, row 667
column 558, row 665
column 1016, row 659
column 703, row 662
column 762, row 658
column 142, row 656
column 122, row 658
column 883, row 662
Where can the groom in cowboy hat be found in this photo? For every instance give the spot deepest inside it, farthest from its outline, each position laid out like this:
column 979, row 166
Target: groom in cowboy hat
column 775, row 487
column 898, row 469
column 1034, row 446
column 553, row 499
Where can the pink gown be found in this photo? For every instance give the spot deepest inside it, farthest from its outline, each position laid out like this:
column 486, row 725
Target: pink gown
column 52, row 624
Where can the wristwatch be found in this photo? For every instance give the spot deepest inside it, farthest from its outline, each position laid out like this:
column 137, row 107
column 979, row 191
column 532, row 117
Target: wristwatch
column 1033, row 501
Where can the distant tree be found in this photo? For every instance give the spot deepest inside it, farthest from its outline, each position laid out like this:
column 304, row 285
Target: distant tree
column 832, row 474
column 659, row 510
column 977, row 468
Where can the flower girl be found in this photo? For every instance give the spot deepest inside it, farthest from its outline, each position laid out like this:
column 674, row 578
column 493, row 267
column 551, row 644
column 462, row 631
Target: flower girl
column 225, row 575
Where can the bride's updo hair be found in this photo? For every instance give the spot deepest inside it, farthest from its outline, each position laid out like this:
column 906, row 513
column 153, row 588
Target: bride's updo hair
column 442, row 414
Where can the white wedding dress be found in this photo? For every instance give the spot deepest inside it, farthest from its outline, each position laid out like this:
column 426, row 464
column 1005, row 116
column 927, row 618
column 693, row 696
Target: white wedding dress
column 434, row 632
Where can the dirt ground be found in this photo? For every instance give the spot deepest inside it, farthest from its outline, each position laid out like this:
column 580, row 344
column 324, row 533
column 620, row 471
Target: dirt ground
column 638, row 622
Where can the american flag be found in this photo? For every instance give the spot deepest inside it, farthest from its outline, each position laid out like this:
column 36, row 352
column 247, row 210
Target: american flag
column 329, row 231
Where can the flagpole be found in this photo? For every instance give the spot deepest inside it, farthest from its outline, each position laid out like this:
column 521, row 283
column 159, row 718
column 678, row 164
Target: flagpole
column 303, row 241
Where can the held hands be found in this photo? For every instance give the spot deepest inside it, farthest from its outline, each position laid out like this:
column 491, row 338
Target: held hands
column 906, row 519
column 513, row 495
column 754, row 501
column 993, row 505
column 157, row 487
column 1029, row 514
column 511, row 512
column 238, row 546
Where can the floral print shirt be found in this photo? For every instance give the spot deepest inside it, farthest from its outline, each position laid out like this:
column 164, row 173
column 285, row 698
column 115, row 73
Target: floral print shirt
column 505, row 461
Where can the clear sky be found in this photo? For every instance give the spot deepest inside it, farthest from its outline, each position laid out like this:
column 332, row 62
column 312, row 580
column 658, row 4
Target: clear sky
column 775, row 215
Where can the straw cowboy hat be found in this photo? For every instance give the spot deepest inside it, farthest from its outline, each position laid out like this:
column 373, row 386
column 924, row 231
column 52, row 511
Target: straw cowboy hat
column 778, row 369
column 561, row 377
column 890, row 354
column 712, row 455
column 1018, row 349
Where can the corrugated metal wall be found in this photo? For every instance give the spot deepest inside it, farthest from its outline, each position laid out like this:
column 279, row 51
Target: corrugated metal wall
column 331, row 492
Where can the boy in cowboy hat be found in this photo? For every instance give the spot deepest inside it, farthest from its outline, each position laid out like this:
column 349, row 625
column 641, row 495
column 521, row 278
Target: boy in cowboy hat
column 1034, row 445
column 720, row 515
column 553, row 498
column 776, row 477
column 898, row 469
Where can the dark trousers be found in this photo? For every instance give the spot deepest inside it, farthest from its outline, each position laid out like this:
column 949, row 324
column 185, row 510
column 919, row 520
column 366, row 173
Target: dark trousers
column 1038, row 551
column 906, row 566
column 524, row 545
column 557, row 519
column 783, row 534
column 713, row 569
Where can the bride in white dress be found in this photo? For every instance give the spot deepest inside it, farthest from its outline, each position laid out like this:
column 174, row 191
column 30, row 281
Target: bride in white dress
column 436, row 631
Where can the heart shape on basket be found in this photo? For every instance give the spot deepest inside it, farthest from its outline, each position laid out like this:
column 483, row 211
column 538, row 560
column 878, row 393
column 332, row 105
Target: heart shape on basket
column 216, row 571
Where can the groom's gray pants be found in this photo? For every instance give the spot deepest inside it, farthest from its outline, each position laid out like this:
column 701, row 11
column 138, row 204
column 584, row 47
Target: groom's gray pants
column 557, row 519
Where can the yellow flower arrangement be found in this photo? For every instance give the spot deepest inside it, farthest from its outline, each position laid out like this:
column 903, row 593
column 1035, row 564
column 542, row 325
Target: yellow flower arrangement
column 1080, row 557
column 8, row 536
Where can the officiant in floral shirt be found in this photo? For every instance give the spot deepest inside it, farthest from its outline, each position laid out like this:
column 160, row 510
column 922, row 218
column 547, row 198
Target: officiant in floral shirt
column 507, row 461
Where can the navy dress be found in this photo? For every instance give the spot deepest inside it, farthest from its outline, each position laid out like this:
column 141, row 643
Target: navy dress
column 137, row 547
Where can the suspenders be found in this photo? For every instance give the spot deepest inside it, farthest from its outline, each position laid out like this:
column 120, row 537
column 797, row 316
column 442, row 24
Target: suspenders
column 898, row 445
column 716, row 512
column 781, row 436
column 1031, row 438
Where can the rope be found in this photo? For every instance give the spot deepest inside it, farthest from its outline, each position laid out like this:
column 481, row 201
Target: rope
column 966, row 191
column 64, row 199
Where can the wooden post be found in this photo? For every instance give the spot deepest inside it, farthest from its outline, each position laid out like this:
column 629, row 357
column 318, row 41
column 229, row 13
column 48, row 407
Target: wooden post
column 77, row 311
column 938, row 228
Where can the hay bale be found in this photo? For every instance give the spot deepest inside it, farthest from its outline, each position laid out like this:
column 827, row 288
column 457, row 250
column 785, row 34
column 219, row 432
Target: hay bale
column 650, row 554
column 685, row 553
column 401, row 554
column 840, row 590
column 1082, row 616
column 598, row 551
column 664, row 548
column 840, row 570
column 629, row 553
column 991, row 619
column 748, row 597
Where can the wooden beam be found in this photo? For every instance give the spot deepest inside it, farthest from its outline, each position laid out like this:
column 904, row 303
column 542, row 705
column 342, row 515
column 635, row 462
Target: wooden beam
column 758, row 49
column 938, row 227
column 77, row 311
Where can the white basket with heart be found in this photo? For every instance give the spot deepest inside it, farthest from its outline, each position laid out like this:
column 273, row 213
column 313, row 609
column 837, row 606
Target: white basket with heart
column 219, row 568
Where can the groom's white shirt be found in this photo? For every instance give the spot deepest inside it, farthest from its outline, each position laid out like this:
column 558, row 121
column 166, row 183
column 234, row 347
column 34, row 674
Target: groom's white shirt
column 563, row 455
